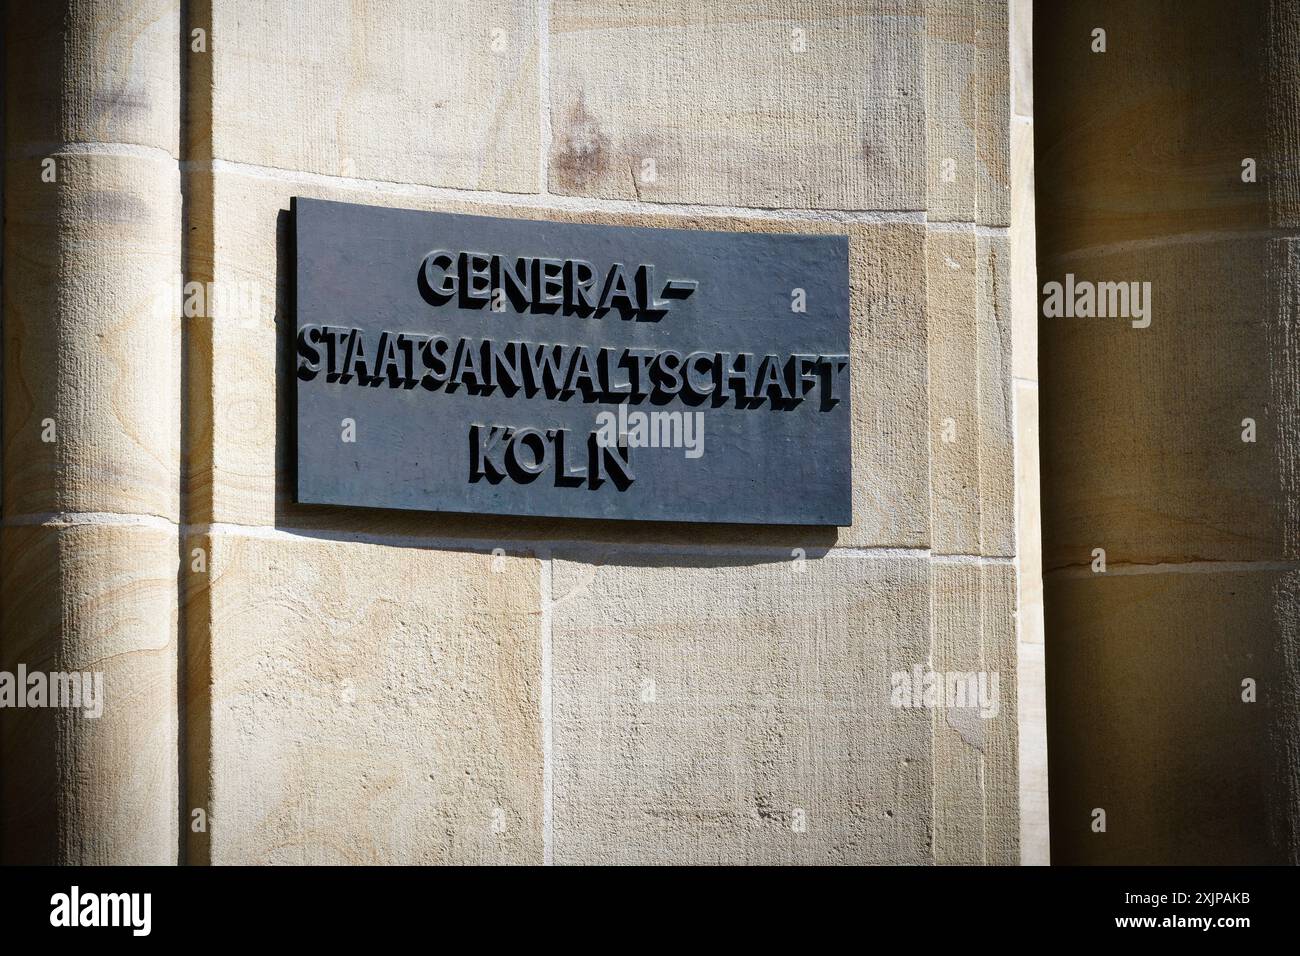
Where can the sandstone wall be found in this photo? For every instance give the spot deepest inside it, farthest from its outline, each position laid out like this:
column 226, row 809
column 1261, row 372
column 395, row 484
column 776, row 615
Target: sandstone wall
column 342, row 685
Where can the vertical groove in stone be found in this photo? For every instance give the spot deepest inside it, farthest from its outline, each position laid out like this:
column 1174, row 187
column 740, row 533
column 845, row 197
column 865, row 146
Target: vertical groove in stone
column 91, row 348
column 196, row 427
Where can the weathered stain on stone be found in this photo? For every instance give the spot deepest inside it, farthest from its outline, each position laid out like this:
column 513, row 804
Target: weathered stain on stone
column 113, row 109
column 583, row 153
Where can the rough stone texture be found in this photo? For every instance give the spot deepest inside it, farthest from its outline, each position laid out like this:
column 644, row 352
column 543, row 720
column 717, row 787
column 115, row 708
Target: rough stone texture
column 1166, row 476
column 1139, row 164
column 888, row 342
column 91, row 427
column 370, row 704
column 1023, row 252
column 358, row 685
column 975, row 765
column 93, row 71
column 1001, row 772
column 771, row 694
column 996, row 427
column 971, row 439
column 716, row 96
column 967, row 107
column 953, row 399
column 75, row 789
column 393, row 90
column 92, row 341
column 958, row 732
column 1146, row 670
column 1032, row 756
column 1172, row 108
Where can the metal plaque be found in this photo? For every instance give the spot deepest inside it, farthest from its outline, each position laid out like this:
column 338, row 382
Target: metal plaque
column 520, row 367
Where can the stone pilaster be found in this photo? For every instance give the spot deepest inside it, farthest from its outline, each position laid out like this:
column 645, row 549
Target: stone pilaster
column 88, row 560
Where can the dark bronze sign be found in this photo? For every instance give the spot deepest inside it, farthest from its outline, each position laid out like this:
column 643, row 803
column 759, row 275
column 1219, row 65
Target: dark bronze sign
column 504, row 366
